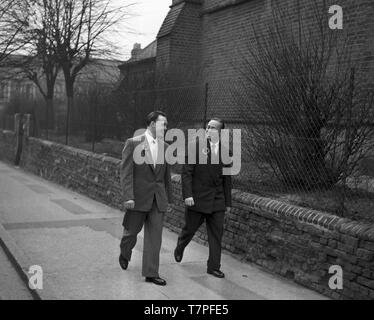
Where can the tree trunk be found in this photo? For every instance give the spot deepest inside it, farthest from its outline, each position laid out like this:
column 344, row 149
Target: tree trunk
column 50, row 113
column 69, row 110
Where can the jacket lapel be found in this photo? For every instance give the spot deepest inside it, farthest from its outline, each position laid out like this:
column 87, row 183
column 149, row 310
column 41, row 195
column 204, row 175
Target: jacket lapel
column 160, row 155
column 211, row 167
column 216, row 167
column 148, row 154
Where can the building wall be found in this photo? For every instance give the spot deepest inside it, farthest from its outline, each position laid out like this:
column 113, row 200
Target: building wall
column 206, row 44
column 214, row 39
column 229, row 28
column 185, row 41
column 224, row 37
column 138, row 75
column 163, row 52
column 178, row 43
column 226, row 32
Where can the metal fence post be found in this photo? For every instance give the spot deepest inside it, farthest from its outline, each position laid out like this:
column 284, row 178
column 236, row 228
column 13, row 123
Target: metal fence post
column 19, row 130
column 67, row 124
column 206, row 104
column 27, row 124
column 47, row 118
column 94, row 128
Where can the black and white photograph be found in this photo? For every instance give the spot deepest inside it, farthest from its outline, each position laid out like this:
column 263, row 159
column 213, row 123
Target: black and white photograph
column 186, row 157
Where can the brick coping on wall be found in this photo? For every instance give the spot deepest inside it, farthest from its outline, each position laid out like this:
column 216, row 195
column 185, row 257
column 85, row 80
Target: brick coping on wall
column 73, row 150
column 279, row 210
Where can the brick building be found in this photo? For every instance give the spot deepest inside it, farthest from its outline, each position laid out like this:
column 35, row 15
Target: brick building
column 205, row 42
column 140, row 68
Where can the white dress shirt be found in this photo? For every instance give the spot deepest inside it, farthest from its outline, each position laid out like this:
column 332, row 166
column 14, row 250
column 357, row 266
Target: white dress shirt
column 214, row 148
column 153, row 146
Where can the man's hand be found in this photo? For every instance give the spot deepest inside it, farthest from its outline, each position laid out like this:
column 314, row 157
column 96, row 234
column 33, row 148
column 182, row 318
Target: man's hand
column 189, row 202
column 130, row 204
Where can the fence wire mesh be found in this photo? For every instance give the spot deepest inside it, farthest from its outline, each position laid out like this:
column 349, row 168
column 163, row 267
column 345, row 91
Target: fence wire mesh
column 302, row 154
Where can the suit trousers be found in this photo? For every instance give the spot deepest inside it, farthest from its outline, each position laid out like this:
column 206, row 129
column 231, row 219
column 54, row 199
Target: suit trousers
column 214, row 225
column 133, row 223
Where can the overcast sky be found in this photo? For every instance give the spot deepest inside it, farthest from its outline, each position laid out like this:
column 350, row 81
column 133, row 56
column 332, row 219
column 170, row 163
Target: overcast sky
column 145, row 22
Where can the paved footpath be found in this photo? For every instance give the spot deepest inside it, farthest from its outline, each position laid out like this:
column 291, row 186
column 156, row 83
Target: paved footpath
column 11, row 285
column 76, row 242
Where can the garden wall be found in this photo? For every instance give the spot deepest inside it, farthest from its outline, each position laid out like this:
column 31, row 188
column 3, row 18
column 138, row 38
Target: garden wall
column 295, row 242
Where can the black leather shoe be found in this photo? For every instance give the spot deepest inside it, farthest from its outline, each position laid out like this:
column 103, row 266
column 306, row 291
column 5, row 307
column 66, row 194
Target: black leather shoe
column 156, row 280
column 178, row 255
column 216, row 273
column 123, row 262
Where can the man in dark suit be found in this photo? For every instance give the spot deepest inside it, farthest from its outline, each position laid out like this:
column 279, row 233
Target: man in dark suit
column 146, row 184
column 207, row 194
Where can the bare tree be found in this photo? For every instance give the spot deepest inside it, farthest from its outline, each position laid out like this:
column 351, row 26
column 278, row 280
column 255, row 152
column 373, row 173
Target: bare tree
column 95, row 112
column 13, row 21
column 79, row 33
column 42, row 66
column 308, row 109
column 31, row 21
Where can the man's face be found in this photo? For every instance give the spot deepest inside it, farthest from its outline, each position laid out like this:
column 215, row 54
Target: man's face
column 161, row 125
column 212, row 130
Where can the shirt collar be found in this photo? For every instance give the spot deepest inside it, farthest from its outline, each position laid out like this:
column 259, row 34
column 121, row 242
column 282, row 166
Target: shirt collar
column 149, row 137
column 214, row 144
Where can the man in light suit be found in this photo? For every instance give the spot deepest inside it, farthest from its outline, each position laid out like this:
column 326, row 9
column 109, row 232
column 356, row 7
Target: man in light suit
column 207, row 194
column 147, row 190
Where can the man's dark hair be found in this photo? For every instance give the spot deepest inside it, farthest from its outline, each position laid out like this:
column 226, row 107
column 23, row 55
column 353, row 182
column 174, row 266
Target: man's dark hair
column 220, row 121
column 153, row 116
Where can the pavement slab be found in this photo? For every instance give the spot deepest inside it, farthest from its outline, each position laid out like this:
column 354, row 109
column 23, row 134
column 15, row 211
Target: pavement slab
column 11, row 285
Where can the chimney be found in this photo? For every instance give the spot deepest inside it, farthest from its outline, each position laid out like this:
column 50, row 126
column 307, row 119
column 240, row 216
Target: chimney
column 136, row 49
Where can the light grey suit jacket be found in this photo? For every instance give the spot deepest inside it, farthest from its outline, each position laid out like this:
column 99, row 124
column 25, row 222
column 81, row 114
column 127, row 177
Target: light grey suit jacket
column 144, row 182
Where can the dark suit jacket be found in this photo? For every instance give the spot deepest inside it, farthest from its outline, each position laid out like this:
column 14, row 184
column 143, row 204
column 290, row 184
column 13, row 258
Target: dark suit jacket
column 142, row 182
column 210, row 189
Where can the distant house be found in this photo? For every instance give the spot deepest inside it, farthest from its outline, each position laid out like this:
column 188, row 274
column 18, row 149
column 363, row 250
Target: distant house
column 139, row 71
column 14, row 83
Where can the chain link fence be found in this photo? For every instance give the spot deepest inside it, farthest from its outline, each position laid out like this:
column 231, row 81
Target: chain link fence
column 7, row 122
column 287, row 153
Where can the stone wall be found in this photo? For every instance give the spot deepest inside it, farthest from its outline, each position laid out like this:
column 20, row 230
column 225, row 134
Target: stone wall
column 85, row 172
column 7, row 146
column 295, row 242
